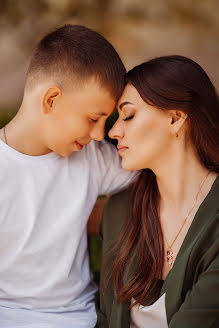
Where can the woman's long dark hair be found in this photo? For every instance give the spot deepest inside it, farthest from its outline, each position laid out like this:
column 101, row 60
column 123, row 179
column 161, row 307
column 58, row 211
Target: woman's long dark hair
column 171, row 82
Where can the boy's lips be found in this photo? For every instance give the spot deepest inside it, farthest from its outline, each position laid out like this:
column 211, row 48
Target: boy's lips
column 79, row 146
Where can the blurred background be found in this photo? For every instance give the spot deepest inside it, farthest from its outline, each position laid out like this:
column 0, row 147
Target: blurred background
column 139, row 30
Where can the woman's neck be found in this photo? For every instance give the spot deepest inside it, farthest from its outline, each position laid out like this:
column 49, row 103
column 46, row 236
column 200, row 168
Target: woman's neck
column 179, row 181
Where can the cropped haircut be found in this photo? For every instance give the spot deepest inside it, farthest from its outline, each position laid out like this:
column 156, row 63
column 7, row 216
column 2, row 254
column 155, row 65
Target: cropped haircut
column 75, row 53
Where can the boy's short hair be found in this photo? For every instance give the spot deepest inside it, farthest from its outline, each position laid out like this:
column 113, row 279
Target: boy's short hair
column 78, row 53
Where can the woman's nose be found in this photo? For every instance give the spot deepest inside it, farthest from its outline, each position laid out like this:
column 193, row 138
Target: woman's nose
column 116, row 131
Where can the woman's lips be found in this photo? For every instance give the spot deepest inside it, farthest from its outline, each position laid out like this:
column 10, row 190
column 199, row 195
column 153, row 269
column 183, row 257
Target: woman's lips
column 121, row 148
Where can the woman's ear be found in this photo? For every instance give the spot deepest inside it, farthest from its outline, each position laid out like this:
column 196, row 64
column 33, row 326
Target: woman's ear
column 50, row 99
column 177, row 120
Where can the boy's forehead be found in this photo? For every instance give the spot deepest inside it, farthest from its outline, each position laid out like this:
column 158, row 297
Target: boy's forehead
column 91, row 98
column 93, row 90
column 95, row 85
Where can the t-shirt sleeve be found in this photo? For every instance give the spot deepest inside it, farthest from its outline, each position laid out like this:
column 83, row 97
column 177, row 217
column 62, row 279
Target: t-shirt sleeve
column 201, row 306
column 105, row 166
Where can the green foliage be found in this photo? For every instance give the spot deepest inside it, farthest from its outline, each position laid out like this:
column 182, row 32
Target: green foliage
column 94, row 246
column 15, row 10
column 5, row 117
column 109, row 123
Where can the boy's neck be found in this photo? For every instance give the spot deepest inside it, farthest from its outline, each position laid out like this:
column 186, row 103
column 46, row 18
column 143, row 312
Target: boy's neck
column 23, row 134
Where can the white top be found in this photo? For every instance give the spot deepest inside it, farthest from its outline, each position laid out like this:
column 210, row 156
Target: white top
column 45, row 202
column 152, row 316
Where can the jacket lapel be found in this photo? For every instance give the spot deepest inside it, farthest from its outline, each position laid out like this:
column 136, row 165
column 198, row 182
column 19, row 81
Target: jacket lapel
column 173, row 284
column 120, row 316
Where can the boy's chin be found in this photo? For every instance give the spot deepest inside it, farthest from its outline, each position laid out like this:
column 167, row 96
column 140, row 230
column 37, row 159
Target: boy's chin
column 62, row 154
column 65, row 152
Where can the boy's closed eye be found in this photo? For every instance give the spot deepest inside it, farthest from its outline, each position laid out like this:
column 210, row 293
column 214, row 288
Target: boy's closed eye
column 93, row 120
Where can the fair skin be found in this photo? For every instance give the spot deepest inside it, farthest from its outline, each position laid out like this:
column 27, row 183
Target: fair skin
column 149, row 137
column 61, row 120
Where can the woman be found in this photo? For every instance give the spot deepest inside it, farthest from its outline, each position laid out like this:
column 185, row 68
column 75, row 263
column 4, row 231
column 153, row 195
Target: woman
column 163, row 270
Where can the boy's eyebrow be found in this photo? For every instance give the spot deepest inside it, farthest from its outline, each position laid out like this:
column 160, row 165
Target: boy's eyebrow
column 125, row 103
column 102, row 114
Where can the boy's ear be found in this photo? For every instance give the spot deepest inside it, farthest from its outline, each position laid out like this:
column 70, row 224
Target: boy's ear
column 50, row 98
column 177, row 119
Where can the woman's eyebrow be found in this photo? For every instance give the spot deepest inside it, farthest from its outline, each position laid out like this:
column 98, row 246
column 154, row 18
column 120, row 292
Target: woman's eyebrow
column 125, row 103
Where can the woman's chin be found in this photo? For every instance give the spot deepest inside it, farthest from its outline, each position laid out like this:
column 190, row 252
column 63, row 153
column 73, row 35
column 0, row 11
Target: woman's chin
column 128, row 166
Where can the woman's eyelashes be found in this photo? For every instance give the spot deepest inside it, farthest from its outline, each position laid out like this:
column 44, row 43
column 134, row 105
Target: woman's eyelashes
column 128, row 118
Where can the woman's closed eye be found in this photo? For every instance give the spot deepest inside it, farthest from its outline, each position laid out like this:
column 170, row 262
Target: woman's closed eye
column 128, row 118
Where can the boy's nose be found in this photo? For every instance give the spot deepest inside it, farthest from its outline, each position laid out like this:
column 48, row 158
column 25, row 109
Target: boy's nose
column 97, row 134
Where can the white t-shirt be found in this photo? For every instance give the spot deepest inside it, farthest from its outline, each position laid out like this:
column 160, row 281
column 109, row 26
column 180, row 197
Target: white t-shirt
column 152, row 316
column 45, row 202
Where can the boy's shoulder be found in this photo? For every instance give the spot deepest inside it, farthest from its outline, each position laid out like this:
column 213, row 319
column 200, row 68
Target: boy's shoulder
column 97, row 155
column 95, row 148
column 97, row 151
column 100, row 146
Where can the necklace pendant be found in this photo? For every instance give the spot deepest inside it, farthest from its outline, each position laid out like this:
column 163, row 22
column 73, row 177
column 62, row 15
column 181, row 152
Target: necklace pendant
column 170, row 257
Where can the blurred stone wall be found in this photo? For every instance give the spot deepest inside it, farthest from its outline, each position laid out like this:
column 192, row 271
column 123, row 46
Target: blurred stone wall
column 139, row 29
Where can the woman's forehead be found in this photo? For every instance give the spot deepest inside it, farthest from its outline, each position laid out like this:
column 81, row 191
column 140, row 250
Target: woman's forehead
column 130, row 96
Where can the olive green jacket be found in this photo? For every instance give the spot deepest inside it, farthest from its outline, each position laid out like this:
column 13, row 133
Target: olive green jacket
column 191, row 287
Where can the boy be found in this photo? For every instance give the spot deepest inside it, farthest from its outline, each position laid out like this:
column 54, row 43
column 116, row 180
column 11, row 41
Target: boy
column 52, row 169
